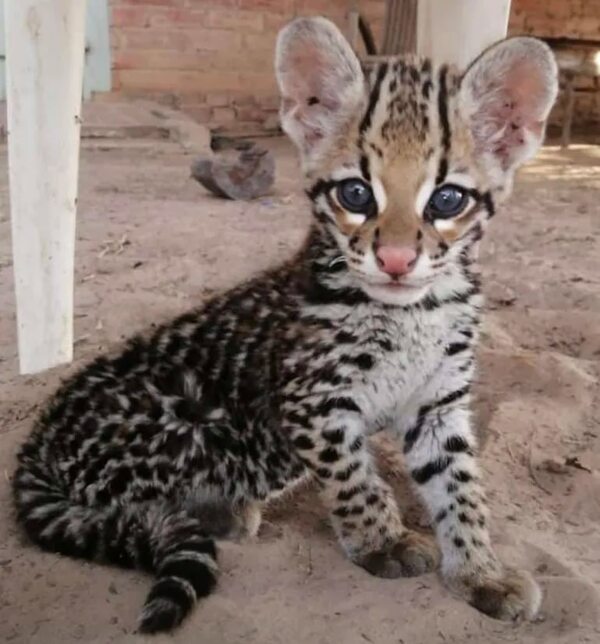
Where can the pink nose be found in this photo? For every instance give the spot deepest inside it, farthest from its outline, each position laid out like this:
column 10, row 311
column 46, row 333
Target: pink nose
column 395, row 260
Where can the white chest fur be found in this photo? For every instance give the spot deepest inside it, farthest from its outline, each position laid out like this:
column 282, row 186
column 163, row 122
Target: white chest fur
column 408, row 348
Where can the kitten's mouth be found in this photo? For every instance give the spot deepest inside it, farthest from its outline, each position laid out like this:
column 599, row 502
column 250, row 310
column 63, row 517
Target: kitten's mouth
column 397, row 292
column 402, row 285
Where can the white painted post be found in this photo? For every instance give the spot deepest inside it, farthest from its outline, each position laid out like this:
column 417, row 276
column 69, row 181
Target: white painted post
column 44, row 56
column 456, row 31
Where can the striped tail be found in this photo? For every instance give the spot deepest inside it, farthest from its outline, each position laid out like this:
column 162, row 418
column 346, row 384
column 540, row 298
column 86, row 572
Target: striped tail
column 186, row 567
column 166, row 540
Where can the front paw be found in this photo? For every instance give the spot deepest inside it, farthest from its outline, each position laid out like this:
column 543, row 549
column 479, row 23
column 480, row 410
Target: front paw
column 412, row 555
column 514, row 596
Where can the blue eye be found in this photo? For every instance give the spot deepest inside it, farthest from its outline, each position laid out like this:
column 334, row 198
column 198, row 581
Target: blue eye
column 446, row 202
column 356, row 196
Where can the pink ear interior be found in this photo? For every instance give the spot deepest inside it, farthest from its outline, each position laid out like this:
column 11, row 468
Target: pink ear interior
column 510, row 94
column 308, row 75
column 318, row 75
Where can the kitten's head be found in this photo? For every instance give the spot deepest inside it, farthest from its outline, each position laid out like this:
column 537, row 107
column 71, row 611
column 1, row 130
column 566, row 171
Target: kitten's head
column 405, row 162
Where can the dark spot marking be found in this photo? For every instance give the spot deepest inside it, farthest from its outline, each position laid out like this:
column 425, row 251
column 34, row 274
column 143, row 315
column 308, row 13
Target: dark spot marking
column 456, row 444
column 344, row 475
column 462, row 476
column 329, row 455
column 356, row 444
column 303, row 441
column 459, row 542
column 342, row 511
column 456, row 347
column 343, row 337
column 443, row 108
column 442, row 171
column 488, row 202
column 373, row 98
column 440, row 516
column 464, row 518
column 334, row 436
column 346, row 495
column 364, row 167
column 424, row 474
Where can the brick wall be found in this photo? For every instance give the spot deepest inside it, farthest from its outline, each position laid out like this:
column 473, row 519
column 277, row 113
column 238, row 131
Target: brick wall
column 211, row 58
column 214, row 58
column 556, row 18
column 574, row 19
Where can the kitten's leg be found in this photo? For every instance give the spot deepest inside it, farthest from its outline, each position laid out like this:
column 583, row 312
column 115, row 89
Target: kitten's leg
column 251, row 518
column 330, row 440
column 440, row 454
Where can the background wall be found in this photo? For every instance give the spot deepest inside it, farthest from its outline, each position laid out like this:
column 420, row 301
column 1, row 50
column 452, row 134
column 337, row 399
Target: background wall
column 557, row 18
column 213, row 58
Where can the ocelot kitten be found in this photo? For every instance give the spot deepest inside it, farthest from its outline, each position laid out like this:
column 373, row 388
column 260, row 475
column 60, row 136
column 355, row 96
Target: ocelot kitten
column 143, row 459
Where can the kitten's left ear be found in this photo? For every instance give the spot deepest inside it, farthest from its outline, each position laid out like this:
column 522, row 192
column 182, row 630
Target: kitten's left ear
column 505, row 97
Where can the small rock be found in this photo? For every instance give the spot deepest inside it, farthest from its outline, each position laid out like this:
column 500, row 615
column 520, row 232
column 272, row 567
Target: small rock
column 250, row 176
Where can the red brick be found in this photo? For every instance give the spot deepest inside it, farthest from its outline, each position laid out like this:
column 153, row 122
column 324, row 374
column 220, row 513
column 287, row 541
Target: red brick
column 275, row 21
column 138, row 38
column 195, row 39
column 200, row 113
column 222, row 115
column 214, row 39
column 259, row 84
column 236, row 20
column 178, row 17
column 156, row 3
column 183, row 82
column 262, row 42
column 218, row 100
column 322, row 7
column 129, row 17
column 162, row 59
column 269, row 102
column 276, row 6
column 231, row 4
column 244, row 99
column 249, row 113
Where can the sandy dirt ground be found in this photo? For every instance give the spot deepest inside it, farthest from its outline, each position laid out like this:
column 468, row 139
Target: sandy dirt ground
column 151, row 244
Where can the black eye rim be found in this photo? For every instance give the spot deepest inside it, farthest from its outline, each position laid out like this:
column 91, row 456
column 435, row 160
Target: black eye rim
column 432, row 213
column 368, row 208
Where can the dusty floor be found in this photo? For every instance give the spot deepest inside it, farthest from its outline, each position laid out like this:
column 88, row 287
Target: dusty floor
column 151, row 244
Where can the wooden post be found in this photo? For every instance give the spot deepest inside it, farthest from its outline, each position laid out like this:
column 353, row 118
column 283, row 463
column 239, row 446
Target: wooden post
column 353, row 26
column 569, row 108
column 456, row 31
column 45, row 57
column 400, row 27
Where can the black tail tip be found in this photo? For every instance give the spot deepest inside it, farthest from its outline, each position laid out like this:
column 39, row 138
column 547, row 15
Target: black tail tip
column 160, row 615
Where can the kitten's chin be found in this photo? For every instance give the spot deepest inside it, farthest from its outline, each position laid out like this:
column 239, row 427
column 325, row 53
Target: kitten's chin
column 395, row 294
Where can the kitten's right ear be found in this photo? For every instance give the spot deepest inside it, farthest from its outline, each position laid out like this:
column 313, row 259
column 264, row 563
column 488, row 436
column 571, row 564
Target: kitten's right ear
column 320, row 80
